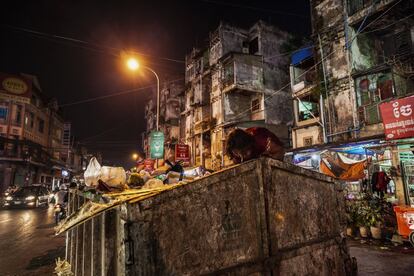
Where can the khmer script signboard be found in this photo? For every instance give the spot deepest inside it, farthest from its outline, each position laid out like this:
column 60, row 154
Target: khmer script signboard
column 398, row 118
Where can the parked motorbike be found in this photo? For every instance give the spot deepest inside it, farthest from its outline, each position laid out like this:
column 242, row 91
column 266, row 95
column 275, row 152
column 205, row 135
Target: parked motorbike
column 60, row 213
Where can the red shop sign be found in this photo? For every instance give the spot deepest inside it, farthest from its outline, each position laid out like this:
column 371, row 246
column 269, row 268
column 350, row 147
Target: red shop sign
column 182, row 152
column 398, row 118
column 149, row 165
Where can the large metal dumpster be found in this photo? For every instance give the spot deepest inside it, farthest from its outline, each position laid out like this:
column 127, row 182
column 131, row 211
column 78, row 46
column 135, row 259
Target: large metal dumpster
column 263, row 217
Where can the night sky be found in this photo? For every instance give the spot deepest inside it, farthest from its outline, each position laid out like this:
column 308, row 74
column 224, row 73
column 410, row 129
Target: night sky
column 73, row 71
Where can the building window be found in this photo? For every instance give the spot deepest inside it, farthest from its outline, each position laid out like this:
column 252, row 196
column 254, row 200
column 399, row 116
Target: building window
column 254, row 46
column 356, row 5
column 3, row 113
column 41, row 125
column 376, row 47
column 303, row 71
column 307, row 141
column 18, row 115
column 58, row 133
column 31, row 120
column 228, row 74
column 307, row 107
column 256, row 105
column 371, row 90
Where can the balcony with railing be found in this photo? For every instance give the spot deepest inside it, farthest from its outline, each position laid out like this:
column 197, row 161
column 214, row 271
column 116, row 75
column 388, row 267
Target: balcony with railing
column 372, row 89
column 367, row 10
column 242, row 72
column 303, row 73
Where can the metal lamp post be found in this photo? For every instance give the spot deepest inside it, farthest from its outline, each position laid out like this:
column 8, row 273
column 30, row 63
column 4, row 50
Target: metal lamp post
column 133, row 65
column 158, row 96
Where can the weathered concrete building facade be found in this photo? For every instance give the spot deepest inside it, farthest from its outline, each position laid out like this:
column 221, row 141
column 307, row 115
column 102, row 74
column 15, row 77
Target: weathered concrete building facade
column 235, row 82
column 169, row 122
column 35, row 145
column 362, row 57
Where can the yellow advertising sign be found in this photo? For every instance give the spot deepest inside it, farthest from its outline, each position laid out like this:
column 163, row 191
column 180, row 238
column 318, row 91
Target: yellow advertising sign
column 14, row 85
column 15, row 88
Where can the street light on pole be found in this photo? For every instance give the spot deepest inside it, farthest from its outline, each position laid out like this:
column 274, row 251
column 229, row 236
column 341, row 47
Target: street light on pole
column 134, row 65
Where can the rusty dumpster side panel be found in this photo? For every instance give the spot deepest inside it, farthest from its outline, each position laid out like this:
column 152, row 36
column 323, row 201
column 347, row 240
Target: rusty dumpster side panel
column 305, row 215
column 263, row 217
column 213, row 223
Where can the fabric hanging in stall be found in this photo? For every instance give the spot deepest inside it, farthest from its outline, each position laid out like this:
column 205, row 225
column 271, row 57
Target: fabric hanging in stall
column 343, row 168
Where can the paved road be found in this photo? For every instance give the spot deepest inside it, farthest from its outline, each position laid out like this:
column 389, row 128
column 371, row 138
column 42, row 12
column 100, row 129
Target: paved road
column 27, row 242
column 372, row 260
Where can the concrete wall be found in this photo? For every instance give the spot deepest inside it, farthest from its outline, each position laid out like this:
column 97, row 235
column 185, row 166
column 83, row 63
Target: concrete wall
column 299, row 134
column 225, row 39
column 328, row 26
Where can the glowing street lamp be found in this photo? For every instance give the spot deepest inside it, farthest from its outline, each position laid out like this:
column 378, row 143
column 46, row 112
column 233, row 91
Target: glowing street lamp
column 133, row 65
column 135, row 156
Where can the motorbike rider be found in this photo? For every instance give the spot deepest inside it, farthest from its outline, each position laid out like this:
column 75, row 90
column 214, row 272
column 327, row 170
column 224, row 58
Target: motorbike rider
column 62, row 195
column 61, row 198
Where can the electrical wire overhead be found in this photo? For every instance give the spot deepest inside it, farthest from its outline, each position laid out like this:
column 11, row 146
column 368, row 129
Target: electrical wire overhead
column 86, row 44
column 243, row 113
column 121, row 93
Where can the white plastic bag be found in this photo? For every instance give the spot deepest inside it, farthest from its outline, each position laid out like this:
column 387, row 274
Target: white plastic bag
column 92, row 173
column 153, row 183
column 145, row 175
column 112, row 176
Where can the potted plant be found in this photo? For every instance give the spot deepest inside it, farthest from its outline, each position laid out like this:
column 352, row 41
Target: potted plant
column 370, row 219
column 362, row 209
column 351, row 217
column 363, row 229
column 374, row 221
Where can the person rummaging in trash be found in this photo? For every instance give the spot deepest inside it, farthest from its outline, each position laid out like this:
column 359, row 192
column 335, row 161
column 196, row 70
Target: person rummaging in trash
column 243, row 145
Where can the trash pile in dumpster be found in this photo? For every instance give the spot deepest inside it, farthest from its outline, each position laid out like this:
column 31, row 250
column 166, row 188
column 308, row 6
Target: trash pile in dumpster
column 107, row 187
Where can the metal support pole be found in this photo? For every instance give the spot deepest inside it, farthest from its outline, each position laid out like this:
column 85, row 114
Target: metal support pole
column 83, row 249
column 92, row 238
column 322, row 116
column 67, row 232
column 76, row 239
column 326, row 90
column 158, row 101
column 103, row 253
column 202, row 128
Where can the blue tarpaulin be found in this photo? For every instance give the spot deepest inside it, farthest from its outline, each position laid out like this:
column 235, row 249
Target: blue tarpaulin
column 3, row 112
column 301, row 55
column 361, row 148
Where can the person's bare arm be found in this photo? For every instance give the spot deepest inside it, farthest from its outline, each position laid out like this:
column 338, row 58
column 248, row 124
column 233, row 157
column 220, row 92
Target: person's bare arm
column 274, row 150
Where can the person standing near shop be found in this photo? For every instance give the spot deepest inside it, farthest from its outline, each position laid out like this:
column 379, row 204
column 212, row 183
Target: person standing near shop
column 243, row 145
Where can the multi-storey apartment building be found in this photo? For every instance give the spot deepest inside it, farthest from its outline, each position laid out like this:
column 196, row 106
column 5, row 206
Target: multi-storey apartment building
column 32, row 148
column 169, row 116
column 361, row 62
column 235, row 81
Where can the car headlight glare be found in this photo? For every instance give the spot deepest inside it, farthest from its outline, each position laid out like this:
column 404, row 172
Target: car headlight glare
column 30, row 198
column 9, row 198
